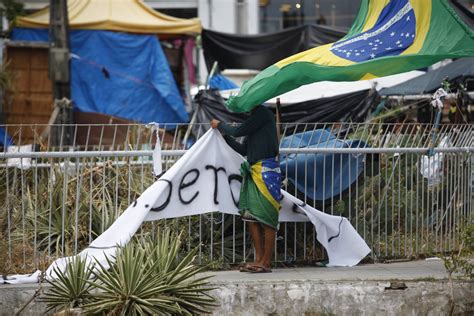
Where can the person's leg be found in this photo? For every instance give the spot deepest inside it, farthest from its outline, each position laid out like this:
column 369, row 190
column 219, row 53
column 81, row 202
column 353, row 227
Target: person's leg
column 256, row 234
column 269, row 244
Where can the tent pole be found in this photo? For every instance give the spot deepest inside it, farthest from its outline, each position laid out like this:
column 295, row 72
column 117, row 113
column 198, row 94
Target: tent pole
column 209, row 76
column 278, row 121
column 193, row 119
column 59, row 66
column 191, row 123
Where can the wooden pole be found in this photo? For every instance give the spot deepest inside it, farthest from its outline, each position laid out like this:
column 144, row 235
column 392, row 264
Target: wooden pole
column 278, row 122
column 59, row 69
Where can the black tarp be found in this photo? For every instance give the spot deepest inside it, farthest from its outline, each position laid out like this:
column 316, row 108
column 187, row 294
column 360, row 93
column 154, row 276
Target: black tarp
column 350, row 107
column 464, row 11
column 260, row 51
column 457, row 71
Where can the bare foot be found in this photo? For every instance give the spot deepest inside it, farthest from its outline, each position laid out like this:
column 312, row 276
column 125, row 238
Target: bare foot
column 248, row 267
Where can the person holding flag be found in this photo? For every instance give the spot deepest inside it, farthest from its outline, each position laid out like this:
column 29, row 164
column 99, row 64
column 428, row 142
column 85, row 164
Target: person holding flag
column 260, row 195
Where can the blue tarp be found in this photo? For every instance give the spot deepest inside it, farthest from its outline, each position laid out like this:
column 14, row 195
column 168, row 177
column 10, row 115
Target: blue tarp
column 120, row 74
column 5, row 139
column 221, row 82
column 321, row 176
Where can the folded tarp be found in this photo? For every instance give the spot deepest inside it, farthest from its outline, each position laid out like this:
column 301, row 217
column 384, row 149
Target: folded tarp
column 260, row 51
column 120, row 74
column 321, row 176
column 457, row 71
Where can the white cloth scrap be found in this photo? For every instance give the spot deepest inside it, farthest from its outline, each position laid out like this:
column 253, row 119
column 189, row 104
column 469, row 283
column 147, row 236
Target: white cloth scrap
column 20, row 163
column 21, row 278
column 431, row 167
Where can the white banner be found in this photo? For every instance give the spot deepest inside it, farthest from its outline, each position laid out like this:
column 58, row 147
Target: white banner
column 207, row 179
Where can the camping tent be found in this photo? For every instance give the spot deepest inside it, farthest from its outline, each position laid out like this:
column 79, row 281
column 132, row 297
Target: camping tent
column 116, row 15
column 342, row 108
column 117, row 73
column 456, row 71
column 417, row 92
column 233, row 51
column 321, row 176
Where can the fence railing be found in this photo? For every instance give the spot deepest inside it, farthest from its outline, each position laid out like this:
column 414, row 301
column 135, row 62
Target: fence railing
column 97, row 137
column 403, row 202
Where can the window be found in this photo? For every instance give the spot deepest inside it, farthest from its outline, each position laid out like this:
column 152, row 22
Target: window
column 276, row 15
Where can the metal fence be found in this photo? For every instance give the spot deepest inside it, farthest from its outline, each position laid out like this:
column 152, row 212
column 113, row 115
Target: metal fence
column 57, row 198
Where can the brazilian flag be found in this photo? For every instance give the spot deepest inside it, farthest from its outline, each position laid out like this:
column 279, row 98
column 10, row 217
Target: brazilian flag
column 387, row 37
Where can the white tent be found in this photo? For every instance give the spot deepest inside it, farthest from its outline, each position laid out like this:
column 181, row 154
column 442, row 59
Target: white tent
column 325, row 89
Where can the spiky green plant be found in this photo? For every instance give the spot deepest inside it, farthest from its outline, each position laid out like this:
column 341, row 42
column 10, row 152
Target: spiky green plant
column 71, row 288
column 150, row 277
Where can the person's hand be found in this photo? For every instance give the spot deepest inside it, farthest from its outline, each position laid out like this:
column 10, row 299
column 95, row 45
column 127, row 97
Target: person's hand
column 215, row 123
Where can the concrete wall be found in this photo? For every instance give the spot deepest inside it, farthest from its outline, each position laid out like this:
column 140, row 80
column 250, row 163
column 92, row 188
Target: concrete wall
column 341, row 298
column 304, row 298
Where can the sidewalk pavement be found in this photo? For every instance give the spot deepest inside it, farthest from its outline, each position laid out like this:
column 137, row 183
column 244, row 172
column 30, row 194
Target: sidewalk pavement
column 421, row 270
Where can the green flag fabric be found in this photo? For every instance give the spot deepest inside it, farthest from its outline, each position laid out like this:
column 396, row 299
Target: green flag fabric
column 387, row 37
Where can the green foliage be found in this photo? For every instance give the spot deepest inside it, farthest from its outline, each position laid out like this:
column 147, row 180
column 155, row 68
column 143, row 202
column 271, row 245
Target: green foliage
column 71, row 288
column 461, row 261
column 222, row 247
column 11, row 9
column 52, row 215
column 151, row 277
column 146, row 277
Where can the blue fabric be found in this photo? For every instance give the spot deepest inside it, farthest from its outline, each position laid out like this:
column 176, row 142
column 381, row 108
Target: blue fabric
column 321, row 176
column 120, row 74
column 5, row 139
column 384, row 38
column 271, row 176
column 221, row 82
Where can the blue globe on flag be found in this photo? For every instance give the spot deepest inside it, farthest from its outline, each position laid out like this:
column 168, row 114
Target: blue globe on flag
column 393, row 32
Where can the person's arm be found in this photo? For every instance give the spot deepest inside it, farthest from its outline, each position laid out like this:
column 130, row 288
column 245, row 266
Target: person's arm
column 251, row 125
column 235, row 145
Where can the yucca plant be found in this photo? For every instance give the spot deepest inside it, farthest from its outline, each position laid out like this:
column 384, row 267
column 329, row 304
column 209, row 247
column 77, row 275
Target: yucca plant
column 71, row 288
column 150, row 277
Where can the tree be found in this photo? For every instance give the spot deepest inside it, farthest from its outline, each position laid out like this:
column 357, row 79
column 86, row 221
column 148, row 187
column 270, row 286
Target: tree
column 10, row 9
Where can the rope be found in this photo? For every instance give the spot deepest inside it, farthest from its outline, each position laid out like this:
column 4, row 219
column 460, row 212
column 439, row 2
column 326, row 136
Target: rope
column 107, row 71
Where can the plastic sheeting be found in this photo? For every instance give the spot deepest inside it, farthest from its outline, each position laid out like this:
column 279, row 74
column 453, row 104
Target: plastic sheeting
column 431, row 167
column 456, row 71
column 116, row 15
column 221, row 82
column 5, row 139
column 321, row 176
column 325, row 89
column 352, row 107
column 260, row 51
column 119, row 74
